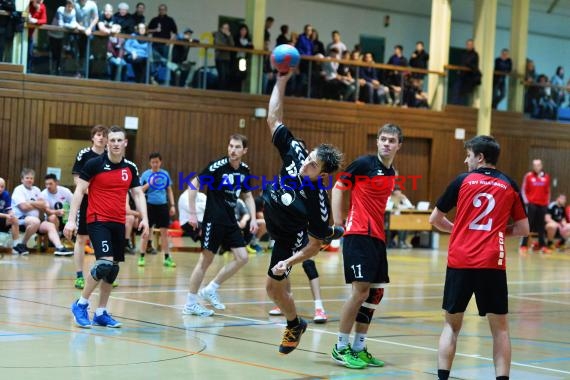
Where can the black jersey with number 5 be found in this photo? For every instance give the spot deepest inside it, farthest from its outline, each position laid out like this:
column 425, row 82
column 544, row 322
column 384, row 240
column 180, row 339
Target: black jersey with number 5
column 293, row 203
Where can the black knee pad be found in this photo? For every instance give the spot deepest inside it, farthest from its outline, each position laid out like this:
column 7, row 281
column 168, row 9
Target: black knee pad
column 310, row 269
column 105, row 270
column 366, row 311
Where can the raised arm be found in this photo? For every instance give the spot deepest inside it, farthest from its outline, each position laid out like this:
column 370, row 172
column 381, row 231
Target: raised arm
column 275, row 112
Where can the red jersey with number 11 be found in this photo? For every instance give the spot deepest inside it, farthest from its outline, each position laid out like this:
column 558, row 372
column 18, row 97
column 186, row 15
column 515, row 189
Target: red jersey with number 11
column 108, row 187
column 486, row 199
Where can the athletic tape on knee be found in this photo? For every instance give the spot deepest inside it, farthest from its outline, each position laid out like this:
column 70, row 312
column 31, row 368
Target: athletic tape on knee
column 366, row 311
column 105, row 270
column 310, row 269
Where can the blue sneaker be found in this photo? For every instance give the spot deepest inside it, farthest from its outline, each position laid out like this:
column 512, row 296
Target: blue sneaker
column 105, row 320
column 81, row 315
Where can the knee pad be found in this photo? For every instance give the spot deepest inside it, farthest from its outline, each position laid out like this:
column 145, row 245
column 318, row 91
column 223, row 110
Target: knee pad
column 310, row 269
column 366, row 311
column 105, row 270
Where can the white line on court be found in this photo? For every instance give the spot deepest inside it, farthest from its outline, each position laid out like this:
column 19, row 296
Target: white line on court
column 475, row 356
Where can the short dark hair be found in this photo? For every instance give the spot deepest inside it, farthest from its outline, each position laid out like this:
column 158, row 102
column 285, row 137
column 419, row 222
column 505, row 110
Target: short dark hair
column 269, row 18
column 399, row 47
column 116, row 129
column 391, row 129
column 284, row 28
column 154, row 155
column 99, row 129
column 420, row 42
column 487, row 146
column 330, row 157
column 335, row 32
column 242, row 138
column 50, row 176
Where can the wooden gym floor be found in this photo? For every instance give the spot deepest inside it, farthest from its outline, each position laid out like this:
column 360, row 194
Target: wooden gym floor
column 39, row 340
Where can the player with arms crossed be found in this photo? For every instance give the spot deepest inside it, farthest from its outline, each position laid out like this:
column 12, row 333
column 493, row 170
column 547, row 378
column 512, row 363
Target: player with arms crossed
column 108, row 178
column 476, row 263
column 296, row 212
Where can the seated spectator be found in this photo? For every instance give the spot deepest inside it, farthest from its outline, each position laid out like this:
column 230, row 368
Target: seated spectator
column 132, row 219
column 414, row 96
column 397, row 202
column 542, row 104
column 29, row 206
column 282, row 39
column 56, row 196
column 558, row 80
column 395, row 78
column 335, row 86
column 9, row 221
column 181, row 64
column 116, row 55
column 345, row 74
column 337, row 43
column 184, row 214
column 262, row 227
column 125, row 20
column 557, row 227
column 136, row 53
column 419, row 60
column 370, row 87
column 64, row 18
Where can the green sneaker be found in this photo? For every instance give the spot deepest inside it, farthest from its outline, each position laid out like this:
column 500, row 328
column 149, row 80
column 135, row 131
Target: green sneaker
column 367, row 357
column 115, row 283
column 348, row 358
column 141, row 262
column 79, row 282
column 169, row 263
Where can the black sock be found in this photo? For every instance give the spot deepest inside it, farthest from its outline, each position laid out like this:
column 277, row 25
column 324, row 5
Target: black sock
column 549, row 243
column 294, row 323
column 142, row 254
column 502, row 378
column 166, row 256
column 79, row 274
column 442, row 374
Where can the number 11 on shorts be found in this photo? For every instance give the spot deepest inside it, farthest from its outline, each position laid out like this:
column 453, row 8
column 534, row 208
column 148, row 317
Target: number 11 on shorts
column 357, row 269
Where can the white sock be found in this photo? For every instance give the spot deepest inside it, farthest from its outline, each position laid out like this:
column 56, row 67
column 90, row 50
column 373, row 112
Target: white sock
column 212, row 287
column 359, row 342
column 99, row 311
column 319, row 305
column 82, row 301
column 342, row 342
column 191, row 298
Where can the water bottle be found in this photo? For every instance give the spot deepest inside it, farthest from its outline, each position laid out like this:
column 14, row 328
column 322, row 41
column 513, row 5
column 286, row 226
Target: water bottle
column 65, row 212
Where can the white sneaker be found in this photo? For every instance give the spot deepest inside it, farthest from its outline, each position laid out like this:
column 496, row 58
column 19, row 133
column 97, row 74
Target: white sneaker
column 275, row 311
column 212, row 298
column 197, row 309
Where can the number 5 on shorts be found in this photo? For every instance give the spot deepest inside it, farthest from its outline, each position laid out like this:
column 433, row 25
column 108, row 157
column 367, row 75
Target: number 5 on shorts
column 357, row 269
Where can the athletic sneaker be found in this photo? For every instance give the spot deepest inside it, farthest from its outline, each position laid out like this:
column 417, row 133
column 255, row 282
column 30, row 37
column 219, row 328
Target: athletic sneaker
column 81, row 315
column 141, row 262
column 169, row 263
column 320, row 316
column 257, row 247
column 79, row 282
column 367, row 357
column 348, row 358
column 20, row 249
column 292, row 337
column 105, row 320
column 545, row 251
column 523, row 251
column 212, row 298
column 275, row 311
column 62, row 251
column 150, row 250
column 89, row 250
column 250, row 249
column 197, row 309
column 129, row 248
column 115, row 284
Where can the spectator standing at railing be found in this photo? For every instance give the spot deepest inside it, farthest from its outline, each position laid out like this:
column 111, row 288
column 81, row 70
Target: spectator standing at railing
column 64, row 18
column 223, row 37
column 529, row 79
column 337, row 43
column 268, row 24
column 504, row 64
column 282, row 39
column 6, row 26
column 138, row 16
column 304, row 45
column 467, row 80
column 106, row 19
column 124, row 19
column 162, row 26
column 241, row 60
column 87, row 15
column 395, row 78
column 37, row 16
column 137, row 53
column 419, row 60
column 558, row 80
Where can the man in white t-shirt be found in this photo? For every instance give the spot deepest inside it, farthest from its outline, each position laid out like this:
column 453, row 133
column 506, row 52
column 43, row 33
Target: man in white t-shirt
column 56, row 197
column 336, row 43
column 28, row 206
column 184, row 213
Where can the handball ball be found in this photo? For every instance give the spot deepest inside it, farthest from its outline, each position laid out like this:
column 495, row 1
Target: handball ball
column 284, row 58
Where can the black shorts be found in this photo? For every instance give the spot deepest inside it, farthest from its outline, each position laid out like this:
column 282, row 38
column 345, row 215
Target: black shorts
column 283, row 249
column 82, row 217
column 365, row 260
column 108, row 239
column 489, row 286
column 4, row 227
column 214, row 235
column 158, row 215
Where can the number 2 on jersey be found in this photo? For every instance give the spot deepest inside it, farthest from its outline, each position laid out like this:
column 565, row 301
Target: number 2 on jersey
column 474, row 225
column 357, row 269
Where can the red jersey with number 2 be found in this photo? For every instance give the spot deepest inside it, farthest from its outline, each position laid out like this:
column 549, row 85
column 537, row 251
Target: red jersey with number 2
column 486, row 200
column 108, row 187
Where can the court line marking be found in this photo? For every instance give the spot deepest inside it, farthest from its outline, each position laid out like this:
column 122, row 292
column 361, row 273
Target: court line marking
column 474, row 356
column 171, row 348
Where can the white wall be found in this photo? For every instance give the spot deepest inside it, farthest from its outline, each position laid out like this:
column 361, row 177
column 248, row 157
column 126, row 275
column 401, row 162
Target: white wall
column 406, row 27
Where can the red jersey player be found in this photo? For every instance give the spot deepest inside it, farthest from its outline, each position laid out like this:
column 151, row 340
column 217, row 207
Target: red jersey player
column 486, row 200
